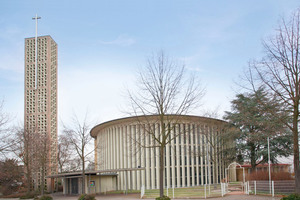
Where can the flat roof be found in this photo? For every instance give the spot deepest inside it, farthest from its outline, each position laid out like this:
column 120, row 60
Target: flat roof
column 108, row 172
column 146, row 118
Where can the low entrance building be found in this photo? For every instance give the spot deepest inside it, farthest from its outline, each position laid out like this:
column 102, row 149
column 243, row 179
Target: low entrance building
column 96, row 182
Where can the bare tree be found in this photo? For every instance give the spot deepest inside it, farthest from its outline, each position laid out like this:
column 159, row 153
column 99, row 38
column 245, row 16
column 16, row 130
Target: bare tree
column 64, row 153
column 279, row 70
column 41, row 158
column 164, row 90
column 32, row 149
column 79, row 137
column 5, row 134
column 220, row 147
column 22, row 150
column 10, row 175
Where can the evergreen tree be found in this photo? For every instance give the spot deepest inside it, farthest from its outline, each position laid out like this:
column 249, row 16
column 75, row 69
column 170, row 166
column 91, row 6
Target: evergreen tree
column 257, row 117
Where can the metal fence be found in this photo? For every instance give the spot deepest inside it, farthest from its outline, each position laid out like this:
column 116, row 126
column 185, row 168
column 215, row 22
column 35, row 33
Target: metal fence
column 203, row 191
column 270, row 187
column 218, row 190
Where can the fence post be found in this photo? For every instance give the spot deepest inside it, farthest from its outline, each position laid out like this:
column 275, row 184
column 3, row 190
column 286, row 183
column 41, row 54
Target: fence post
column 255, row 187
column 167, row 190
column 272, row 188
column 205, row 191
column 173, row 192
column 142, row 191
column 221, row 190
column 248, row 187
column 227, row 187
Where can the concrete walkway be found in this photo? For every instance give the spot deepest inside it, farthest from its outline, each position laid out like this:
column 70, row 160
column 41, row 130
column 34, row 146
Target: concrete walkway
column 136, row 197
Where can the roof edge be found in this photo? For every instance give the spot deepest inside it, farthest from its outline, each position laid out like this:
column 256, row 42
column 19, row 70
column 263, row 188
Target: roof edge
column 132, row 118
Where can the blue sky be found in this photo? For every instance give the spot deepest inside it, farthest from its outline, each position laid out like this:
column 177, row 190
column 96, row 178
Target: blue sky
column 102, row 44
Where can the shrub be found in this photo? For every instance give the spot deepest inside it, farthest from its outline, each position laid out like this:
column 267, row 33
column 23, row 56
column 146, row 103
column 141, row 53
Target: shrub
column 264, row 175
column 282, row 176
column 292, row 197
column 163, row 198
column 45, row 197
column 259, row 175
column 17, row 195
column 28, row 196
column 86, row 197
column 8, row 189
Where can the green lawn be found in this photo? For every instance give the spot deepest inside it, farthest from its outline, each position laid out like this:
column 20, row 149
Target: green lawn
column 197, row 191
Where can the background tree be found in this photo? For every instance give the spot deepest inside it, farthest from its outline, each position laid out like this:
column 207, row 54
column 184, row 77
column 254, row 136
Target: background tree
column 10, row 176
column 22, row 149
column 220, row 147
column 41, row 158
column 65, row 153
column 5, row 135
column 164, row 89
column 258, row 116
column 78, row 134
column 31, row 148
column 279, row 72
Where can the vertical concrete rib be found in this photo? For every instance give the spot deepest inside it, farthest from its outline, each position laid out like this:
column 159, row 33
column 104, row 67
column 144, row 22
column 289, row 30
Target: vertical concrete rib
column 152, row 127
column 188, row 147
column 138, row 157
column 143, row 152
column 173, row 153
column 183, row 154
column 148, row 157
column 192, row 131
column 157, row 135
column 167, row 160
column 178, row 139
column 197, row 153
column 201, row 153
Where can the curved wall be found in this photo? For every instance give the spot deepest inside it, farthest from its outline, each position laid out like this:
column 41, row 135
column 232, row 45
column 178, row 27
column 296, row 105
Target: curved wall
column 193, row 158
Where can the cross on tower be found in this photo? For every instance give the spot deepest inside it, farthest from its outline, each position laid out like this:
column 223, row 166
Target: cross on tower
column 36, row 18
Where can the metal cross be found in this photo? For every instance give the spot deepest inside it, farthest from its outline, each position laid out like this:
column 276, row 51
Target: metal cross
column 36, row 18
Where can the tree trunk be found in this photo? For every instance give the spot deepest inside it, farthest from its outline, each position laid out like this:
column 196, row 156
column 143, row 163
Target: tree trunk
column 161, row 170
column 296, row 149
column 252, row 156
column 43, row 180
column 83, row 176
column 28, row 177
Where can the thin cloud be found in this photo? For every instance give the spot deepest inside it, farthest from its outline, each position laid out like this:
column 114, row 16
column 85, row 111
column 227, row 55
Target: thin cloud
column 121, row 40
column 195, row 69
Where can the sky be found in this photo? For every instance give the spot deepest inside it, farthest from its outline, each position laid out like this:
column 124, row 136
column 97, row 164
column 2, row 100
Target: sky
column 102, row 45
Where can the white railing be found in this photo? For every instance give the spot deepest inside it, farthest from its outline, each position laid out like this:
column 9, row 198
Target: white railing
column 276, row 187
column 201, row 191
column 142, row 191
column 223, row 189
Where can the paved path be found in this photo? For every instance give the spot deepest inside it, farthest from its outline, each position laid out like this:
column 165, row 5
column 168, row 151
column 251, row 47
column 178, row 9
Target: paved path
column 245, row 197
column 136, row 197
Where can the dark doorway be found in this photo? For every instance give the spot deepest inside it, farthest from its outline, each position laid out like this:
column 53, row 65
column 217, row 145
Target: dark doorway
column 74, row 185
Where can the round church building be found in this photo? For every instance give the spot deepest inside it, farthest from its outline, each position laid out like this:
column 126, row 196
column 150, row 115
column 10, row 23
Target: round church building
column 128, row 148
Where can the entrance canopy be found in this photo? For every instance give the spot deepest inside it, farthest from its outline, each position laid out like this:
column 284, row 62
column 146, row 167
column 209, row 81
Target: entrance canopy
column 95, row 172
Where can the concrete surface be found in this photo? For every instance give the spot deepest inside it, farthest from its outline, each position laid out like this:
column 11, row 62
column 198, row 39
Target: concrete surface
column 137, row 196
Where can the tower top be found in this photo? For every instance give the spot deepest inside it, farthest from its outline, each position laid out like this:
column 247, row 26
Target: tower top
column 36, row 18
